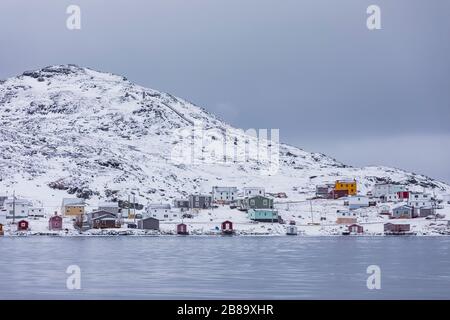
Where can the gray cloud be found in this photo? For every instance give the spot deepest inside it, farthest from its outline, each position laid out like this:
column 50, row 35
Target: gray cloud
column 310, row 68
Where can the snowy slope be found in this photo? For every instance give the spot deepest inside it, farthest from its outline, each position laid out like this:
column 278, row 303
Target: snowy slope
column 72, row 130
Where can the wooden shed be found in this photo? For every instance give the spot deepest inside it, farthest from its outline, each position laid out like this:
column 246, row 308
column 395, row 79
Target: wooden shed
column 291, row 230
column 22, row 225
column 148, row 224
column 355, row 229
column 397, row 229
column 105, row 222
column 55, row 223
column 182, row 229
column 227, row 227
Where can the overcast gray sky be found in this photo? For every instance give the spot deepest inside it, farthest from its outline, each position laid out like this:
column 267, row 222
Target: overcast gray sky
column 310, row 68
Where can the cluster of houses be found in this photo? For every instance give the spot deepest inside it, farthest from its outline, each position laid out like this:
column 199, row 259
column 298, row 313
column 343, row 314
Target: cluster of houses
column 410, row 204
column 258, row 206
column 252, row 200
column 407, row 204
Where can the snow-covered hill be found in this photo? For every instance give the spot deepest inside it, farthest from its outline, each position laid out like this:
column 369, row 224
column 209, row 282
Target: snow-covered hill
column 67, row 129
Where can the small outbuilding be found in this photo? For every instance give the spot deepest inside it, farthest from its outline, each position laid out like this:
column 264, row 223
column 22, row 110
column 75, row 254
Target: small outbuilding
column 55, row 223
column 148, row 224
column 397, row 229
column 22, row 225
column 291, row 230
column 227, row 227
column 355, row 229
column 182, row 229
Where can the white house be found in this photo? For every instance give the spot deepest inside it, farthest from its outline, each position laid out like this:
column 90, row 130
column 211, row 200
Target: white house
column 18, row 208
column 162, row 214
column 391, row 197
column 224, row 194
column 356, row 202
column 254, row 191
column 112, row 207
column 36, row 212
column 3, row 217
column 420, row 199
column 384, row 189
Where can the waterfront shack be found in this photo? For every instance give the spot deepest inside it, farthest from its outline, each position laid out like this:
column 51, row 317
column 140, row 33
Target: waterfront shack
column 355, row 229
column 182, row 229
column 22, row 225
column 55, row 223
column 149, row 223
column 397, row 229
column 291, row 230
column 227, row 227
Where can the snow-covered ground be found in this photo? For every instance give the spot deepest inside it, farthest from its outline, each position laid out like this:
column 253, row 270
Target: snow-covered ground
column 69, row 131
column 313, row 218
column 73, row 130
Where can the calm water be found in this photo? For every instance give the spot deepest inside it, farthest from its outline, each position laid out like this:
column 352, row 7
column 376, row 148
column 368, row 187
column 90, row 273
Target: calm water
column 225, row 267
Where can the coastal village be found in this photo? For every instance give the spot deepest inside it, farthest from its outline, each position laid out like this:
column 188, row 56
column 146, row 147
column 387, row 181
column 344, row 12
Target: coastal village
column 337, row 208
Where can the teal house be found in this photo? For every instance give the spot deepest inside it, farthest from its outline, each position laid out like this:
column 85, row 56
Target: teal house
column 256, row 202
column 263, row 215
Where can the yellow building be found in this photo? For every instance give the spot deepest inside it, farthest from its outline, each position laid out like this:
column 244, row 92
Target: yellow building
column 346, row 185
column 73, row 207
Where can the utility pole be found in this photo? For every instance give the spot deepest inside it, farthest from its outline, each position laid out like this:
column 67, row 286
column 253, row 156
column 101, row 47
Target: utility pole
column 134, row 206
column 128, row 206
column 14, row 207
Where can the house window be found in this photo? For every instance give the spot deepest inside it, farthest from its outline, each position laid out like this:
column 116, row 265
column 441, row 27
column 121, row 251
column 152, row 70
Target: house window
column 265, row 202
column 166, row 216
column 252, row 202
column 197, row 204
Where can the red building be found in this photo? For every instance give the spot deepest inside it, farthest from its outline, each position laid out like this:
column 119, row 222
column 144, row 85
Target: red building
column 55, row 223
column 402, row 195
column 182, row 229
column 355, row 229
column 22, row 225
column 227, row 227
column 336, row 194
column 390, row 228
